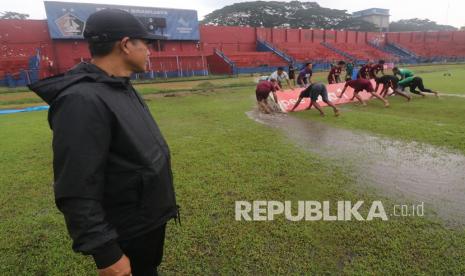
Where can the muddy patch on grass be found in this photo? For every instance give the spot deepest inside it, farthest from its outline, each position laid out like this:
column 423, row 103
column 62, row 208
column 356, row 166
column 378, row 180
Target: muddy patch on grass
column 197, row 92
column 401, row 170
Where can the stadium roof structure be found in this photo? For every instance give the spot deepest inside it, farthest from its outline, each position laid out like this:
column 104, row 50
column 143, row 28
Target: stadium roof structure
column 372, row 11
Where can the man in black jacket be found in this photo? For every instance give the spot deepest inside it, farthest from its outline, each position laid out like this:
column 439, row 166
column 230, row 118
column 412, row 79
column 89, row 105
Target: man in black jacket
column 112, row 168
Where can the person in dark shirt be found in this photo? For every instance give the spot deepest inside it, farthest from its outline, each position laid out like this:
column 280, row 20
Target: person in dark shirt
column 363, row 84
column 263, row 90
column 334, row 75
column 292, row 74
column 364, row 71
column 389, row 81
column 305, row 75
column 312, row 92
column 375, row 69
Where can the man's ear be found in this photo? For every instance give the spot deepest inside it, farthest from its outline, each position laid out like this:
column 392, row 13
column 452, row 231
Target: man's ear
column 123, row 45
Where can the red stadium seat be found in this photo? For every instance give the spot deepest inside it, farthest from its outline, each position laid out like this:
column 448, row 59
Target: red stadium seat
column 364, row 52
column 308, row 51
column 254, row 59
column 435, row 49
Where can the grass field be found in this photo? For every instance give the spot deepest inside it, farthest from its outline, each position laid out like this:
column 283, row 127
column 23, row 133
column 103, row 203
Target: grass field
column 220, row 156
column 439, row 122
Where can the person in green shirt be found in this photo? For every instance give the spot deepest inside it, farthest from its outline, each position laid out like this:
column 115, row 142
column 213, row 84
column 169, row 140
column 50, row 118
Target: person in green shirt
column 403, row 73
column 349, row 70
column 414, row 82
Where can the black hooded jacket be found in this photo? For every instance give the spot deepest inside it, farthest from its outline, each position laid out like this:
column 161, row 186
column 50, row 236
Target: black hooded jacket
column 111, row 164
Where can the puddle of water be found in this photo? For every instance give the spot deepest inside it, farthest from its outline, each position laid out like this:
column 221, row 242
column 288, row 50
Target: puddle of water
column 417, row 172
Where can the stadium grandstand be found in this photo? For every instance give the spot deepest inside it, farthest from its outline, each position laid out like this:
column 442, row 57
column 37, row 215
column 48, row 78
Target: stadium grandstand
column 430, row 46
column 314, row 52
column 364, row 52
column 33, row 49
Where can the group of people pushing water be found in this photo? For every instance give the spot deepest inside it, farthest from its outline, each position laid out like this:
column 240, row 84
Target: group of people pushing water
column 398, row 81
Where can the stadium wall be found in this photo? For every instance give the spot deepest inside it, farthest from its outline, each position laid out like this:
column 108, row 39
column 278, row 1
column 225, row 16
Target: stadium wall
column 425, row 37
column 22, row 39
column 23, row 43
column 227, row 39
column 293, row 35
column 351, row 37
column 458, row 36
column 244, row 38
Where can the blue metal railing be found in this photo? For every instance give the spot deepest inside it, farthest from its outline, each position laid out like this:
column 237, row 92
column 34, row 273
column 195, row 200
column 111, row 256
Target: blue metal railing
column 227, row 60
column 264, row 46
column 403, row 56
column 402, row 49
column 383, row 49
column 334, row 49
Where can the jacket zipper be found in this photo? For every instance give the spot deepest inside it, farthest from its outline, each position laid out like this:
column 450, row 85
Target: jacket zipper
column 144, row 109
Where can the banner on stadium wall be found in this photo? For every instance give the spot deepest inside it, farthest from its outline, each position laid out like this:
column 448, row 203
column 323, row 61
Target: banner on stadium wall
column 66, row 20
column 288, row 98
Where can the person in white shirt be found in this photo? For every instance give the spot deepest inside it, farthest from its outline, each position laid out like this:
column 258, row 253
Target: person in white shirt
column 280, row 75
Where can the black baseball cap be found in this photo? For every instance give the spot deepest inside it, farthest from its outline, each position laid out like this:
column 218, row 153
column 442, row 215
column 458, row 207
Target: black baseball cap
column 113, row 24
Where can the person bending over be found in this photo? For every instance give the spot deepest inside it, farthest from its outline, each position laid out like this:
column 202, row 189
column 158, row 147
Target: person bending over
column 363, row 84
column 389, row 81
column 413, row 83
column 263, row 90
column 312, row 92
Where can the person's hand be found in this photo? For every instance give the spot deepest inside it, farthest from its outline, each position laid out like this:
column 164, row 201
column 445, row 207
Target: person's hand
column 121, row 268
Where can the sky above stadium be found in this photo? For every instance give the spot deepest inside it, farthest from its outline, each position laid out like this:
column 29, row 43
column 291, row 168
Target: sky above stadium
column 450, row 12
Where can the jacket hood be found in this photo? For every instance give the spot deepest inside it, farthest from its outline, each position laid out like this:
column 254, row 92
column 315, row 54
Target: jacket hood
column 49, row 88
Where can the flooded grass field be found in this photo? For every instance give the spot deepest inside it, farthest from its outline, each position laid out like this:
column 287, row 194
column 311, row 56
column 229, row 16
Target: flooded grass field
column 223, row 152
